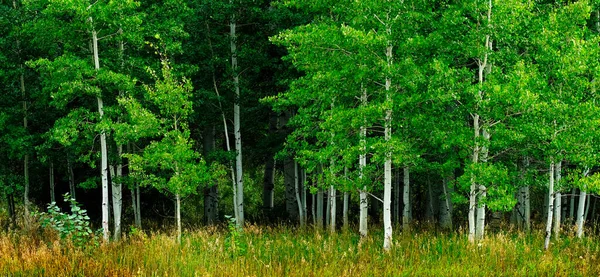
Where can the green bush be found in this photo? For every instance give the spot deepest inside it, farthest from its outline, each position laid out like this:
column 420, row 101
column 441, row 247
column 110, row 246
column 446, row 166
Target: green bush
column 74, row 226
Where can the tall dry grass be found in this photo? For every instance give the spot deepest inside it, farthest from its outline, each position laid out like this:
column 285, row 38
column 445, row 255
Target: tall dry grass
column 286, row 251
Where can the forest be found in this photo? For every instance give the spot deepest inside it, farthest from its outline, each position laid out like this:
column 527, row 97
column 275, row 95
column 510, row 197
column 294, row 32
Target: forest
column 299, row 137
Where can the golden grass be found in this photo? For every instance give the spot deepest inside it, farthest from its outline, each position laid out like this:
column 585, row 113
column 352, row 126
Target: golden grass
column 284, row 251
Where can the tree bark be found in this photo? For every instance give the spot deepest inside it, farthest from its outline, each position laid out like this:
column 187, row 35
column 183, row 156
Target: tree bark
column 290, row 189
column 445, row 207
column 236, row 126
column 345, row 205
column 269, row 184
column 397, row 202
column 332, row 201
column 580, row 209
column 52, row 192
column 572, row 204
column 480, row 224
column 406, row 211
column 387, row 173
column 26, row 157
column 362, row 163
column 550, row 206
column 103, row 149
column 557, row 199
column 71, row 178
column 211, row 191
column 117, row 194
column 297, row 193
column 320, row 209
column 178, row 216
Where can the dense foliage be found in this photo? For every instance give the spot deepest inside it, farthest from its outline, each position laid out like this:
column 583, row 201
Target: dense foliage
column 465, row 114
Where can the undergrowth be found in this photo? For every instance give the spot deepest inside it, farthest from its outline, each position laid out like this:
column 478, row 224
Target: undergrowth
column 287, row 251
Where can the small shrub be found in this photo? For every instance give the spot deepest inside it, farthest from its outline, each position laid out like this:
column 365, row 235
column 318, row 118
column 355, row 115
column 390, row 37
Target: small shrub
column 233, row 241
column 74, row 226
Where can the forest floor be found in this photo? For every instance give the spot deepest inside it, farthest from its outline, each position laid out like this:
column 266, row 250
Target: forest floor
column 287, row 251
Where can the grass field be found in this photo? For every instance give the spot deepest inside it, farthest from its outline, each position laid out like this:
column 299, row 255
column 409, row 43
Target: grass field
column 286, row 251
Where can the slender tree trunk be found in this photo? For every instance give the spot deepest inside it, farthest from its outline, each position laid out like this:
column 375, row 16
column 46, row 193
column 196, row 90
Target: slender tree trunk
column 524, row 208
column 397, row 202
column 480, row 224
column 580, row 213
column 236, row 126
column 478, row 191
column 387, row 171
column 587, row 207
column 572, row 204
column 26, row 157
column 430, row 208
column 345, row 207
column 269, row 176
column 303, row 186
column 473, row 186
column 52, row 192
column 268, row 184
column 117, row 194
column 178, row 216
column 406, row 211
column 71, row 178
column 550, row 206
column 581, row 207
column 362, row 163
column 289, row 179
column 103, row 149
column 211, row 191
column 312, row 208
column 320, row 209
column 332, row 200
column 138, row 220
column 297, row 193
column 328, row 207
column 345, row 210
column 445, row 207
column 12, row 214
column 557, row 200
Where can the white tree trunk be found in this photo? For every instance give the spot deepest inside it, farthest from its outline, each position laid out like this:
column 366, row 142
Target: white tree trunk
column 406, row 211
column 480, row 224
column 178, row 216
column 117, row 194
column 580, row 213
column 103, row 149
column 581, row 207
column 239, row 196
column 557, row 199
column 550, row 206
column 298, row 199
column 387, row 173
column 364, row 204
column 477, row 189
column 473, row 186
column 333, row 208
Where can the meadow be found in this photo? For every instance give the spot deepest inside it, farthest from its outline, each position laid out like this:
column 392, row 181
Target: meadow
column 289, row 251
